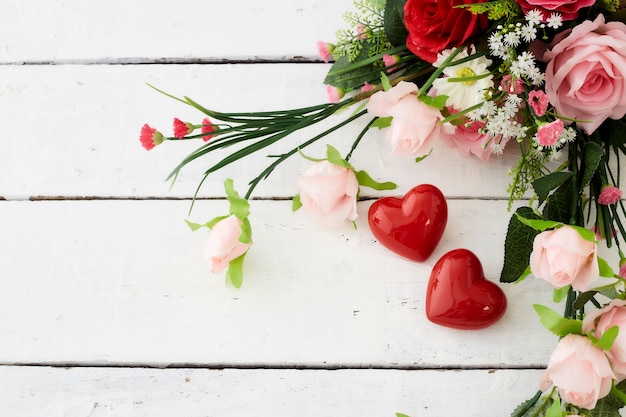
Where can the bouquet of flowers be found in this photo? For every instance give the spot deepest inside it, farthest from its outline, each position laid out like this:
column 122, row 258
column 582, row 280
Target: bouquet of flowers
column 548, row 77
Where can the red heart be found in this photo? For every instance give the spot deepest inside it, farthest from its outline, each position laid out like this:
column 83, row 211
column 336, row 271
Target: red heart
column 458, row 295
column 411, row 226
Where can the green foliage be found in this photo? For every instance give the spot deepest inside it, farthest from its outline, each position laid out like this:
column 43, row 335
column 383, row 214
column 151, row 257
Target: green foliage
column 344, row 74
column 607, row 339
column 367, row 181
column 556, row 323
column 234, row 274
column 497, row 9
column 382, row 122
column 533, row 407
column 238, row 206
column 529, row 168
column 394, row 22
column 592, row 156
column 546, row 184
column 610, row 405
column 605, row 269
column 559, row 205
column 296, row 203
column 366, row 29
column 438, row 102
column 518, row 245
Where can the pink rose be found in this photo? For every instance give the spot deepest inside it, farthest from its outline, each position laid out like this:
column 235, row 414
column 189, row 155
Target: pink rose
column 468, row 139
column 568, row 9
column 415, row 125
column 585, row 76
column 329, row 191
column 223, row 245
column 599, row 321
column 580, row 370
column 562, row 257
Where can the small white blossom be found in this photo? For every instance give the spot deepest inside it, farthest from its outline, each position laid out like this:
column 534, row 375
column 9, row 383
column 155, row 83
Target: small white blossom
column 568, row 135
column 536, row 76
column 529, row 33
column 497, row 149
column 534, row 17
column 555, row 21
column 512, row 39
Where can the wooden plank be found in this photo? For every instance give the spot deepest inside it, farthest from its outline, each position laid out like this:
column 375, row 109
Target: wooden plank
column 82, row 392
column 143, row 30
column 72, row 130
column 119, row 282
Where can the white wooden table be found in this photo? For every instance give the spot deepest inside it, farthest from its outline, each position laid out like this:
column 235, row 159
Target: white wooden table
column 107, row 305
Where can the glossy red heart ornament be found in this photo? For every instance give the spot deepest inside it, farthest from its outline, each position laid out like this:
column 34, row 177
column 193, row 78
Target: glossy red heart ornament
column 411, row 226
column 459, row 296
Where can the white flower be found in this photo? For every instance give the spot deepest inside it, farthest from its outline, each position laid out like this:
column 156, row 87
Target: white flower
column 555, row 21
column 496, row 44
column 512, row 39
column 529, row 33
column 534, row 17
column 464, row 94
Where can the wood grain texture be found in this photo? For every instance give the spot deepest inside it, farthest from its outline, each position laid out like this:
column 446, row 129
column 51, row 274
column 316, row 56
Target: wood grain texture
column 99, row 392
column 114, row 282
column 62, row 31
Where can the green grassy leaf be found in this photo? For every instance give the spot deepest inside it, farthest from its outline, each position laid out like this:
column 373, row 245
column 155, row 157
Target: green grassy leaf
column 518, row 245
column 535, row 406
column 366, row 181
column 394, row 22
column 538, row 224
column 544, row 185
column 556, row 323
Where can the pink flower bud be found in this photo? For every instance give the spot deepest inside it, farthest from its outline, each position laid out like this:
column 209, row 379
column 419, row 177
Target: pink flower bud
column 609, row 195
column 150, row 137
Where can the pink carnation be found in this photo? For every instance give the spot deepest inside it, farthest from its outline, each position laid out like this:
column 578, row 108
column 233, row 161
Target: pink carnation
column 334, row 93
column 512, row 86
column 150, row 137
column 207, row 129
column 548, row 134
column 538, row 101
column 325, row 49
column 609, row 195
column 181, row 129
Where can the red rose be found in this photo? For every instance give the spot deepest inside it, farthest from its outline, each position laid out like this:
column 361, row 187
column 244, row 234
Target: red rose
column 435, row 25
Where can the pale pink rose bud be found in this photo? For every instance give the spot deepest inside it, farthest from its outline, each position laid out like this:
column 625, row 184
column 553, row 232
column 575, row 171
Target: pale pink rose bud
column 580, row 371
column 609, row 194
column 328, row 191
column 366, row 87
column 415, row 126
column 599, row 321
column 562, row 257
column 223, row 244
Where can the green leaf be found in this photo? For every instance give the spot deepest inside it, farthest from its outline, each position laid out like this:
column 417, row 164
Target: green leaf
column 555, row 409
column 367, row 181
column 214, row 221
column 401, row 415
column 246, row 231
column 559, row 205
column 384, row 80
column 382, row 122
column 538, row 224
column 518, row 245
column 592, row 156
column 605, row 269
column 534, row 407
column 351, row 75
column 309, row 158
column 585, row 233
column 238, row 206
column 560, row 293
column 234, row 274
column 438, row 102
column 556, row 323
column 607, row 339
column 334, row 157
column 296, row 203
column 544, row 185
column 393, row 21
column 421, row 158
column 193, row 226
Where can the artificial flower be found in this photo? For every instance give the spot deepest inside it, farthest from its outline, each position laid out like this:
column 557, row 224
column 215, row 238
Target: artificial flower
column 328, row 191
column 599, row 321
column 567, row 9
column 181, row 129
column 224, row 243
column 609, row 194
column 150, row 137
column 207, row 129
column 586, row 73
column 563, row 257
